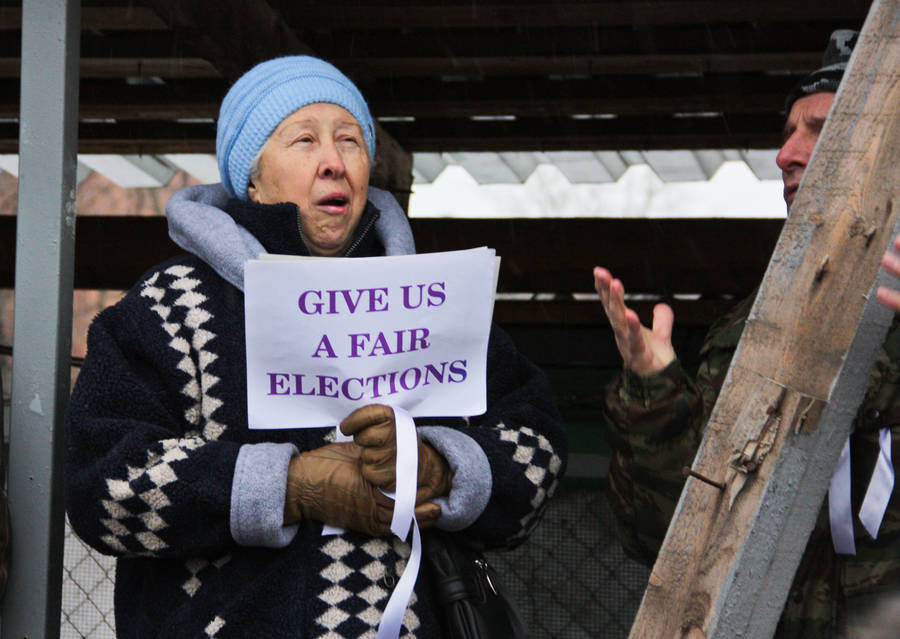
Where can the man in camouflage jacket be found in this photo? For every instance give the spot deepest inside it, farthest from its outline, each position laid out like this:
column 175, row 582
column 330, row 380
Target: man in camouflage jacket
column 655, row 416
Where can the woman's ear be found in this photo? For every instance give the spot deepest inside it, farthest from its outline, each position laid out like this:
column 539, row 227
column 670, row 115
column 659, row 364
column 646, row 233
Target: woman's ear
column 253, row 192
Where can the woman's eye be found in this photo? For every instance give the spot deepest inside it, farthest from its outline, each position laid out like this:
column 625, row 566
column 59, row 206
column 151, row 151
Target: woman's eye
column 305, row 139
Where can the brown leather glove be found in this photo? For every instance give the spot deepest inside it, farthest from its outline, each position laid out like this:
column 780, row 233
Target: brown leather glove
column 374, row 429
column 326, row 485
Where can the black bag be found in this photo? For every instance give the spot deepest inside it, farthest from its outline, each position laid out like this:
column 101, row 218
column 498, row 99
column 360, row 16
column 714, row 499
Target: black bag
column 467, row 591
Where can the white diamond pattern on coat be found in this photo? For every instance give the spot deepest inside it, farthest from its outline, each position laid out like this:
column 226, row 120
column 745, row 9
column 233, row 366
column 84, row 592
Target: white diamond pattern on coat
column 214, row 626
column 358, row 615
column 195, row 566
column 136, row 500
column 190, row 339
column 542, row 466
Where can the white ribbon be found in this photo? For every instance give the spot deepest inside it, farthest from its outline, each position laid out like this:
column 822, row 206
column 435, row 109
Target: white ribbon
column 404, row 517
column 840, row 509
column 875, row 502
column 881, row 485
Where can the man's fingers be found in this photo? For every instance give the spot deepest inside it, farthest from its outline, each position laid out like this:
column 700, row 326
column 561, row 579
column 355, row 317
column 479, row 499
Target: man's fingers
column 602, row 278
column 891, row 262
column 366, row 416
column 615, row 308
column 889, row 297
column 663, row 320
column 634, row 333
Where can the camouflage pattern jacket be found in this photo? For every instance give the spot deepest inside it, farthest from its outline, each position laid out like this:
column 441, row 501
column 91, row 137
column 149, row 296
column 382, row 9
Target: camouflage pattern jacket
column 655, row 425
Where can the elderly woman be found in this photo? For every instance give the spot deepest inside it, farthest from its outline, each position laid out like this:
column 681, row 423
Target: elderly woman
column 218, row 528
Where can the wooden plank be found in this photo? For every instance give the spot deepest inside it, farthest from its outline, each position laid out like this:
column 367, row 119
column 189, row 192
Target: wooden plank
column 97, row 19
column 586, row 39
column 622, row 133
column 716, row 258
column 491, row 14
column 690, row 313
column 516, row 65
column 434, row 98
column 798, row 375
column 757, row 131
column 635, row 63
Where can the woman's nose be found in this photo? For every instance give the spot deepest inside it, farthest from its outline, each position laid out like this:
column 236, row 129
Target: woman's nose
column 331, row 164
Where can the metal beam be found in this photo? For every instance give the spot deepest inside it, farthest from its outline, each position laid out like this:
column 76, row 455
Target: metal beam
column 492, row 14
column 97, row 18
column 715, row 258
column 43, row 315
column 435, row 98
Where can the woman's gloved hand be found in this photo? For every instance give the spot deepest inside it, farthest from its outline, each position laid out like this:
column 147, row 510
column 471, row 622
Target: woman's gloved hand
column 327, row 485
column 373, row 428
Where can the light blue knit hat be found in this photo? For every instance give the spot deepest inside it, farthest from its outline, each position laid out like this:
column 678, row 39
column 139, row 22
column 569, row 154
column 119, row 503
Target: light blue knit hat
column 268, row 93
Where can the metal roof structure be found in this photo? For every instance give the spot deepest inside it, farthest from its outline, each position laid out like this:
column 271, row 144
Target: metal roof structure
column 453, row 76
column 579, row 167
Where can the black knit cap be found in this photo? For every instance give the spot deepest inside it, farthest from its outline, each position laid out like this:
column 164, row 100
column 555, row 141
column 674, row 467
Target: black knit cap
column 828, row 77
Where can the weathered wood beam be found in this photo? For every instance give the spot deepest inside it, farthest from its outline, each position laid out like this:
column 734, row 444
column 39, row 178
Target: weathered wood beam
column 516, row 65
column 725, row 131
column 728, row 131
column 241, row 33
column 690, row 313
column 471, row 67
column 491, row 13
column 135, row 67
column 660, row 258
column 428, row 98
column 798, row 375
column 235, row 36
column 595, row 65
column 398, row 42
column 130, row 18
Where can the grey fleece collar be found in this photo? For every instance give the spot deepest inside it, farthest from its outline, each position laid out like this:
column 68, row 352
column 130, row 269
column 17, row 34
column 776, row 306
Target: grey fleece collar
column 198, row 224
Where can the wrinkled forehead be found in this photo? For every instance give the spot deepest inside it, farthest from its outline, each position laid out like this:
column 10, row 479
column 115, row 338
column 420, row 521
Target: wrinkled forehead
column 810, row 108
column 318, row 115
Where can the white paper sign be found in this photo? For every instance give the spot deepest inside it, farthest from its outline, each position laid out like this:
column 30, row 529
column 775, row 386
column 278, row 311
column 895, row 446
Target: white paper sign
column 328, row 335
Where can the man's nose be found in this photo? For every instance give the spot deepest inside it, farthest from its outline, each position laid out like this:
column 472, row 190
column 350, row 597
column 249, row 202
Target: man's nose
column 794, row 152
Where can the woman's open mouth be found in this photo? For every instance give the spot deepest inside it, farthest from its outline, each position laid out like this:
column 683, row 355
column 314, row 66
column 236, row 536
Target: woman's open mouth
column 334, row 203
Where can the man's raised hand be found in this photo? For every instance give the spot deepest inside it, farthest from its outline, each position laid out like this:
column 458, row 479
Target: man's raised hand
column 644, row 351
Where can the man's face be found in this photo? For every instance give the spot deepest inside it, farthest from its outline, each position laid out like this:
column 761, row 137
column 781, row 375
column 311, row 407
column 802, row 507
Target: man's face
column 801, row 131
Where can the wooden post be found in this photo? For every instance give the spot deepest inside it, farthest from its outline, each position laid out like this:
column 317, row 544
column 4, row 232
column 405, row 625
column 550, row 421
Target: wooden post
column 798, row 375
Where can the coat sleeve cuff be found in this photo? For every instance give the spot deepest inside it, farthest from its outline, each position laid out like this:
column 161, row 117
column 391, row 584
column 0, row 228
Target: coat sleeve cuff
column 472, row 480
column 652, row 388
column 258, row 493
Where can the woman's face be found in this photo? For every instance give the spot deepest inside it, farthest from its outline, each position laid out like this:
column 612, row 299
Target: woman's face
column 317, row 159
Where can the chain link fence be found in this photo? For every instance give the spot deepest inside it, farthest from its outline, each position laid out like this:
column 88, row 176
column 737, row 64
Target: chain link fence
column 570, row 580
column 87, row 592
